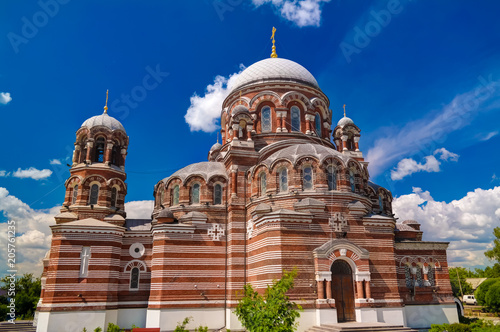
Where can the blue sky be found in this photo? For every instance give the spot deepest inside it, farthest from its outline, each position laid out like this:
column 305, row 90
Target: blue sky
column 421, row 80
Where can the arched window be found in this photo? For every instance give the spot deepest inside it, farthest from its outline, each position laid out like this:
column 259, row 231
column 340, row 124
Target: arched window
column 351, row 180
column 408, row 277
column 134, row 278
column 307, row 178
column 295, row 114
column 99, row 150
column 431, row 277
column 380, row 203
column 162, row 195
column 263, row 184
column 175, row 195
column 217, row 194
column 114, row 195
column 115, row 155
column 332, row 178
column 283, row 174
column 75, row 194
column 350, row 142
column 317, row 123
column 195, row 194
column 83, row 155
column 265, row 116
column 94, row 194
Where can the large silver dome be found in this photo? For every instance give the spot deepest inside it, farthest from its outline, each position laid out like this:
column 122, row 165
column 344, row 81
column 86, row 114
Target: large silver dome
column 275, row 69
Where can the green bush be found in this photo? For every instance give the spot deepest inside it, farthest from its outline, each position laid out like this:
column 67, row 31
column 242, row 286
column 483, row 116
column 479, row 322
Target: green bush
column 476, row 325
column 492, row 297
column 455, row 327
column 481, row 291
column 181, row 327
column 273, row 312
column 113, row 328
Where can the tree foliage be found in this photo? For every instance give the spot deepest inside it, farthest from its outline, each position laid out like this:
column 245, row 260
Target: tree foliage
column 27, row 293
column 271, row 312
column 494, row 253
column 488, row 294
column 455, row 283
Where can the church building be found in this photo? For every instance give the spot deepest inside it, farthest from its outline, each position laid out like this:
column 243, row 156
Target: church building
column 286, row 188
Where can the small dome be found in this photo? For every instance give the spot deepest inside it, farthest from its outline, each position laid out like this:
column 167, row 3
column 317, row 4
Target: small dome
column 239, row 108
column 275, row 69
column 165, row 213
column 345, row 121
column 103, row 120
column 296, row 151
column 216, row 147
column 204, row 169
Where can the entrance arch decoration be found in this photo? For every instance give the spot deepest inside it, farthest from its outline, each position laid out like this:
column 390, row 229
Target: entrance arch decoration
column 358, row 260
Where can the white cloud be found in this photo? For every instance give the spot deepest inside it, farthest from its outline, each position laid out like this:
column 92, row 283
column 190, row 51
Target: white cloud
column 489, row 136
column 139, row 209
column 55, row 162
column 424, row 134
column 494, row 178
column 446, row 155
column 301, row 12
column 32, row 229
column 468, row 222
column 5, row 98
column 4, row 173
column 204, row 112
column 409, row 166
column 32, row 173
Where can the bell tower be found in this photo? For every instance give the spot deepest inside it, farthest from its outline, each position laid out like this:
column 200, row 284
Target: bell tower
column 96, row 187
column 346, row 136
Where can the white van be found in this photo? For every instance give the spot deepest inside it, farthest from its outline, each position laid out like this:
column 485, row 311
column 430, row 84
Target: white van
column 469, row 299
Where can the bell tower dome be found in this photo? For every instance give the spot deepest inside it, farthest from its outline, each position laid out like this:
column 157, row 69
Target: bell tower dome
column 96, row 187
column 346, row 136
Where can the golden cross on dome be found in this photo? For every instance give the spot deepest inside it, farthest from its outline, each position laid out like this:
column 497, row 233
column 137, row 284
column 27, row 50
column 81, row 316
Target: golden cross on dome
column 273, row 54
column 106, row 106
column 344, row 110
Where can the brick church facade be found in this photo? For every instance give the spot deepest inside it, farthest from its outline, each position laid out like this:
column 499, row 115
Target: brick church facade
column 287, row 188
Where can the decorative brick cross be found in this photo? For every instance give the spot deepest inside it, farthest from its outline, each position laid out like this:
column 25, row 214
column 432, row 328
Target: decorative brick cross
column 337, row 221
column 216, row 232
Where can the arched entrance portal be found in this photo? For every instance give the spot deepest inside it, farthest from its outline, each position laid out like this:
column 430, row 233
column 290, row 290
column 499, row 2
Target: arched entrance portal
column 343, row 291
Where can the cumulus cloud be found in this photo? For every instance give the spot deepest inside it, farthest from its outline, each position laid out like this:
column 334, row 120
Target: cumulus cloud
column 424, row 134
column 33, row 233
column 32, row 173
column 204, row 112
column 55, row 162
column 409, row 166
column 4, row 173
column 5, row 98
column 139, row 209
column 467, row 223
column 301, row 12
